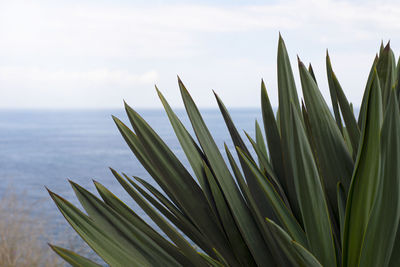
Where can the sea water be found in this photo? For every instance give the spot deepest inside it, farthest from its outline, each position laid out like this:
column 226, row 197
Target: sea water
column 41, row 148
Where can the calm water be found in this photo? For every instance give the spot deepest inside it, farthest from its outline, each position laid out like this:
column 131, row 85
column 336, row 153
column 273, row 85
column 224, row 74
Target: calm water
column 45, row 148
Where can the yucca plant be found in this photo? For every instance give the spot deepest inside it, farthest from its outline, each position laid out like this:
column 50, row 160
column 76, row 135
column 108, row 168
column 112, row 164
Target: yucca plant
column 323, row 190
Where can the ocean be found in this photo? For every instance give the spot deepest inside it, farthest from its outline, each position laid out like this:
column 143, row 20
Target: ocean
column 41, row 148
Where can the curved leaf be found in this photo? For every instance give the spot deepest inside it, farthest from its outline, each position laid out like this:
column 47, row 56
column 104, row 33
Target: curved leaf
column 311, row 195
column 106, row 247
column 281, row 210
column 298, row 255
column 363, row 186
column 273, row 135
column 287, row 93
column 73, row 258
column 239, row 209
column 385, row 214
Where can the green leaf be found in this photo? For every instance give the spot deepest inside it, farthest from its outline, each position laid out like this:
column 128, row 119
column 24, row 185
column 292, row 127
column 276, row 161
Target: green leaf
column 273, row 136
column 311, row 195
column 341, row 197
column 236, row 240
column 140, row 152
column 172, row 171
column 296, row 253
column 119, row 229
column 364, row 101
column 381, row 48
column 348, row 115
column 333, row 157
column 395, row 257
column 164, row 225
column 386, row 68
column 397, row 83
column 363, row 186
column 333, row 92
column 167, row 209
column 349, row 145
column 281, row 210
column 277, row 254
column 211, row 261
column 195, row 157
column 122, row 209
column 307, row 258
column 311, row 71
column 287, row 93
column 286, row 83
column 307, row 127
column 236, row 203
column 192, row 151
column 105, row 246
column 73, row 258
column 385, row 214
column 260, row 141
column 251, row 180
column 268, row 169
column 186, row 191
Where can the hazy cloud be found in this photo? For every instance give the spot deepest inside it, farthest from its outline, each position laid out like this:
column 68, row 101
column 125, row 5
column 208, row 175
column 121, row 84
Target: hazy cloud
column 116, row 77
column 68, row 49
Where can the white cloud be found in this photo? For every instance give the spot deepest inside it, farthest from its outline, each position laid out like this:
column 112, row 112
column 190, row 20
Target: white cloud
column 169, row 31
column 95, row 77
column 61, row 49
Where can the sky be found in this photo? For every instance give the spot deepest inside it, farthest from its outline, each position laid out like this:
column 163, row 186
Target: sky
column 95, row 54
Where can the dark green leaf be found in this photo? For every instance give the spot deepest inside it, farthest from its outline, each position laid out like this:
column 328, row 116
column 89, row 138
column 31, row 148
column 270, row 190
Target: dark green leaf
column 273, row 136
column 311, row 195
column 131, row 238
column 165, row 226
column 250, row 179
column 361, row 114
column 260, row 141
column 133, row 218
column 297, row 254
column 287, row 93
column 333, row 92
column 106, row 247
column 281, row 210
column 364, row 183
column 73, row 258
column 279, row 257
column 385, row 214
column 348, row 115
column 239, row 209
column 237, row 243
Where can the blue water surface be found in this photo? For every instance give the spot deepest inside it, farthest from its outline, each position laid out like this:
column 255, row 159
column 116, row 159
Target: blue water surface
column 46, row 148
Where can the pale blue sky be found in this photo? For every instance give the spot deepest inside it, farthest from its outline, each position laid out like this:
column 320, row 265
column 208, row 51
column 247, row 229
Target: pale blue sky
column 93, row 54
